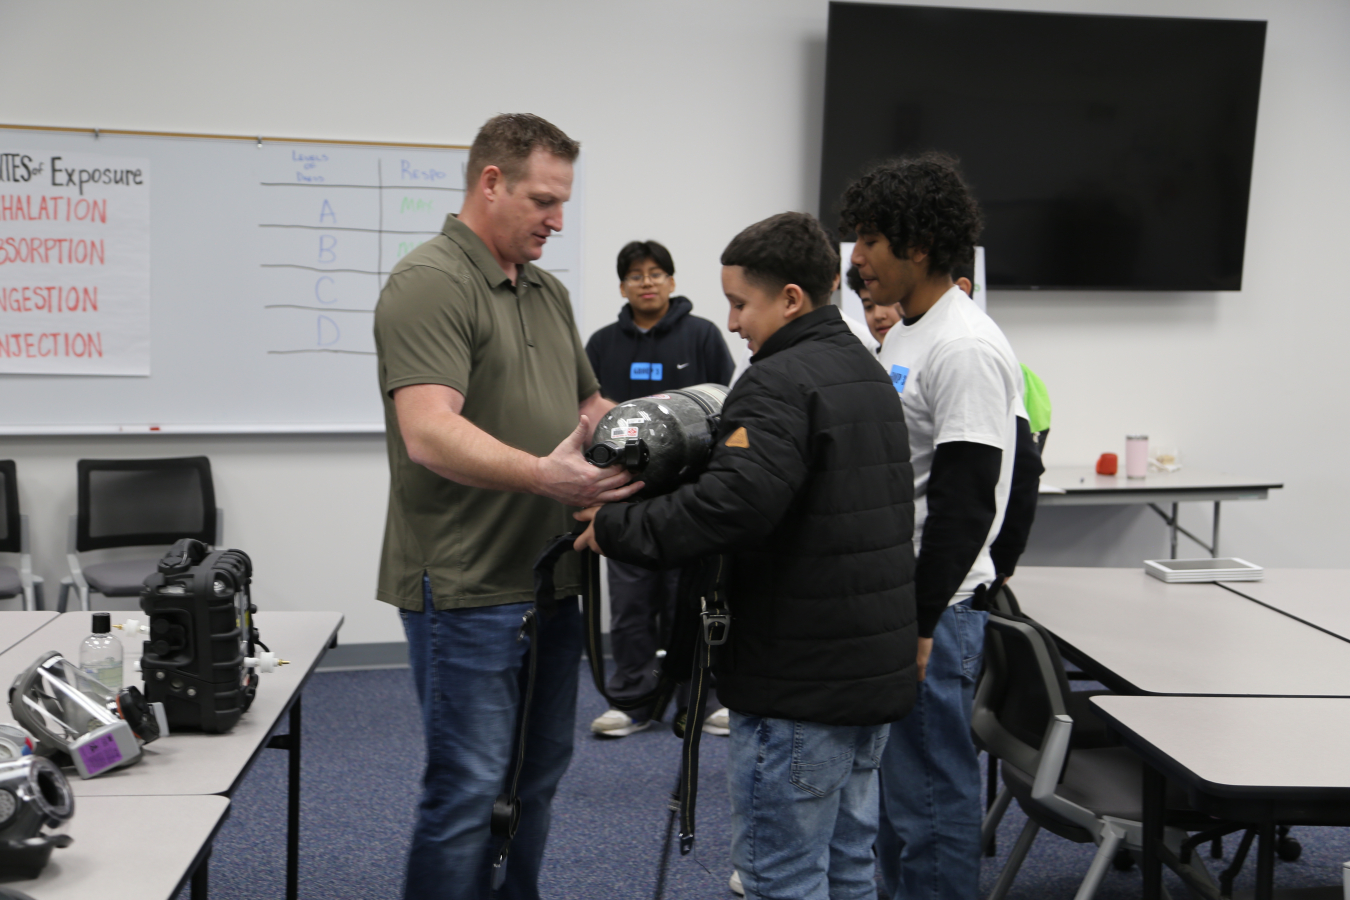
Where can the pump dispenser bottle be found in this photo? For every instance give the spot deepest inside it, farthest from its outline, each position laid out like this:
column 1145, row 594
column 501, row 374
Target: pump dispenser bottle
column 101, row 653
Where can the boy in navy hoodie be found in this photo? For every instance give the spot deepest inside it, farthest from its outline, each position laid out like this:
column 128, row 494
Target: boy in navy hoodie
column 656, row 345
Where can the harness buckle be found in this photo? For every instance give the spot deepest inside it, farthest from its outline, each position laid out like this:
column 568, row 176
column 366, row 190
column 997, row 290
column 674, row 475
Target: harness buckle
column 716, row 627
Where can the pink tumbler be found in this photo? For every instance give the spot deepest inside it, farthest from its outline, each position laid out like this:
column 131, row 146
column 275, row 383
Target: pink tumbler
column 1136, row 455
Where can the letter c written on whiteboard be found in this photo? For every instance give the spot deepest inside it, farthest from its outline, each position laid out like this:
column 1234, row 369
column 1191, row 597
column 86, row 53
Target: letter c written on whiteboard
column 318, row 291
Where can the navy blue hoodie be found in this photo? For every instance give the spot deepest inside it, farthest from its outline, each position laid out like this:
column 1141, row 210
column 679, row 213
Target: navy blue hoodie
column 678, row 351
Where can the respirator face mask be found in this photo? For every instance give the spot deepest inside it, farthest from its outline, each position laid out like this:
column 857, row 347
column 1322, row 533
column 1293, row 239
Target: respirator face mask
column 33, row 794
column 69, row 712
column 665, row 439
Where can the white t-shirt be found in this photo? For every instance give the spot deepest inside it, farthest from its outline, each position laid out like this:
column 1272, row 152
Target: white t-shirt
column 959, row 381
column 858, row 328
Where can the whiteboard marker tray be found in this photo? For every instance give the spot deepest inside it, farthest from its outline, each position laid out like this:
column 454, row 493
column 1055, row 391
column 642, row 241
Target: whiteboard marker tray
column 1178, row 571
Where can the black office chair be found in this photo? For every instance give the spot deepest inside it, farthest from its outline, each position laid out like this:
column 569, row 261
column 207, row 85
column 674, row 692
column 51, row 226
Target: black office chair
column 1090, row 732
column 1021, row 714
column 16, row 582
column 136, row 503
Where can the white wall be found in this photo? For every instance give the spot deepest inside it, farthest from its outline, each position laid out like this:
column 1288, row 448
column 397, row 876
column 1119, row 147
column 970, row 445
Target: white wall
column 698, row 118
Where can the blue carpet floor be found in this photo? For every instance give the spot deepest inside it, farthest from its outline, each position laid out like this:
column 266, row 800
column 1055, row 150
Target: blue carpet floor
column 361, row 769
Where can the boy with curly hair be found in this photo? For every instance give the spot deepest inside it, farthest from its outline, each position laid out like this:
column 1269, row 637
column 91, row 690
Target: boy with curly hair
column 961, row 387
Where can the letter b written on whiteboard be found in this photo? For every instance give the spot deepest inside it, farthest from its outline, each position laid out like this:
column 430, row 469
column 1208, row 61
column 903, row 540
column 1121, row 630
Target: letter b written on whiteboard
column 327, row 248
column 328, row 332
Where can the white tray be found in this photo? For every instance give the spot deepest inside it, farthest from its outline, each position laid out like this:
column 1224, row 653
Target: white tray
column 1177, row 571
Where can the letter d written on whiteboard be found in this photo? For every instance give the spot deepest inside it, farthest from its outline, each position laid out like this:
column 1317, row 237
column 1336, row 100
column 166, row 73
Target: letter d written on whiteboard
column 75, row 266
column 328, row 332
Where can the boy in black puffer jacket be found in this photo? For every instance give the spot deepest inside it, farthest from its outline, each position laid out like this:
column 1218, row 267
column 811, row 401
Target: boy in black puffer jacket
column 810, row 491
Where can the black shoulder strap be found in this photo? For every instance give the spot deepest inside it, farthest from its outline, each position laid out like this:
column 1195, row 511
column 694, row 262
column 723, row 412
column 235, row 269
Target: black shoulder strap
column 715, row 626
column 590, row 608
column 701, row 623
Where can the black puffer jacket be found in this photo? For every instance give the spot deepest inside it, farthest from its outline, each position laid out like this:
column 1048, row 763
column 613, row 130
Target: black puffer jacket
column 810, row 491
column 678, row 351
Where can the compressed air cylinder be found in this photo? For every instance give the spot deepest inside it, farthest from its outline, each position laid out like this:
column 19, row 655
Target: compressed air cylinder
column 664, row 440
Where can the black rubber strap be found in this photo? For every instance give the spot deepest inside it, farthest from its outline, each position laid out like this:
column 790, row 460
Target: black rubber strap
column 713, row 608
column 590, row 609
column 506, row 810
column 714, row 625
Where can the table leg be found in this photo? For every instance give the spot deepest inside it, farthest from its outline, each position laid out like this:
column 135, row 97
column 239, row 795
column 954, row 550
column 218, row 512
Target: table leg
column 1265, row 862
column 201, row 877
column 293, row 808
column 1214, row 549
column 1175, row 525
column 1155, row 799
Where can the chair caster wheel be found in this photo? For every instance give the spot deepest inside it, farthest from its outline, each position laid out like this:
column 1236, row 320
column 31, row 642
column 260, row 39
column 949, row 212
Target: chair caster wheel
column 1288, row 849
column 1123, row 861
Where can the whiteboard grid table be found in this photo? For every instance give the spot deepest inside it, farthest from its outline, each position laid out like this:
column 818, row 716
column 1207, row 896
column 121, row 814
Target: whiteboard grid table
column 1082, row 486
column 266, row 258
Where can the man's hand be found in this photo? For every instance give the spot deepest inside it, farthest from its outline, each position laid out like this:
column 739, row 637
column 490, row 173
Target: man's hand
column 587, row 539
column 925, row 651
column 565, row 475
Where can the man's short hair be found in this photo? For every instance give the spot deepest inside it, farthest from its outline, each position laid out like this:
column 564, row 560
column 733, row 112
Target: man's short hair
column 507, row 140
column 789, row 248
column 854, row 279
column 635, row 252
column 917, row 203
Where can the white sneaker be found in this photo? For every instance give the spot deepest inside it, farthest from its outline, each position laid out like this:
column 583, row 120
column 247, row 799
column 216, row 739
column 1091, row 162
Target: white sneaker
column 735, row 883
column 718, row 723
column 617, row 723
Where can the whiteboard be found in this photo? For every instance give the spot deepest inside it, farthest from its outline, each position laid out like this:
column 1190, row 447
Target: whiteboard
column 266, row 260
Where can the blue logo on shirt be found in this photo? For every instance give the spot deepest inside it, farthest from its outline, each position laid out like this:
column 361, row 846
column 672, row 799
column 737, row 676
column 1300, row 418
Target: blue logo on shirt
column 899, row 375
column 646, row 372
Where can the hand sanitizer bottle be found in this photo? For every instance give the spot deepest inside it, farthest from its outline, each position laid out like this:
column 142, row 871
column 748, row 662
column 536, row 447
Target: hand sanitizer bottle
column 101, row 653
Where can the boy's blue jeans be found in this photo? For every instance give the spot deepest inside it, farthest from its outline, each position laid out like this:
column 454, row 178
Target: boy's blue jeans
column 928, row 842
column 469, row 669
column 803, row 808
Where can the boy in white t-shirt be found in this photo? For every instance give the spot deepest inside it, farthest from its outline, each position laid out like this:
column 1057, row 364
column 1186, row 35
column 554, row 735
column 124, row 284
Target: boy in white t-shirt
column 961, row 387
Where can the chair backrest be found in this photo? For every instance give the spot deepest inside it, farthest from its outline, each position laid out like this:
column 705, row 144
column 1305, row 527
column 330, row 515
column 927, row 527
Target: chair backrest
column 1003, row 600
column 134, row 502
column 11, row 535
column 1023, row 689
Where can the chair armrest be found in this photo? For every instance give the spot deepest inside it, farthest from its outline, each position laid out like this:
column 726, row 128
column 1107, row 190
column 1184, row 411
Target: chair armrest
column 1054, row 750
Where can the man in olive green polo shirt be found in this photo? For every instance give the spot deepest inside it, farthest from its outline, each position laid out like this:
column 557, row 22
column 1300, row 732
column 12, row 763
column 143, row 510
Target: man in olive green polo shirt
column 489, row 401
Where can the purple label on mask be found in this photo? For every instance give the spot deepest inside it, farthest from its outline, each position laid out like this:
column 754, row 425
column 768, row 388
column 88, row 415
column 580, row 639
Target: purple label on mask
column 99, row 754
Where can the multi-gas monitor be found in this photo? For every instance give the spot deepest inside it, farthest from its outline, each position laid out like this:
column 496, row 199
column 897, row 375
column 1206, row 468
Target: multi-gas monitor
column 1107, row 152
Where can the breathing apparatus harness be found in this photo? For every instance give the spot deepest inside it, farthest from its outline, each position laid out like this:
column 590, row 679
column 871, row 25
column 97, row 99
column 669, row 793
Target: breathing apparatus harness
column 666, row 439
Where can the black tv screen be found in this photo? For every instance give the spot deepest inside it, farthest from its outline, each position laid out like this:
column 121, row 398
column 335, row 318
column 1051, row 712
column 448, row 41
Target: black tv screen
column 1106, row 152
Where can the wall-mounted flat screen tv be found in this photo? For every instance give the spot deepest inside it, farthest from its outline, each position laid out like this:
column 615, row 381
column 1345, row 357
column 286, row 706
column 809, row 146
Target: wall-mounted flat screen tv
column 1107, row 152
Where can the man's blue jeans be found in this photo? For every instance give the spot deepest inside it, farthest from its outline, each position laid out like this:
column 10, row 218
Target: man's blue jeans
column 928, row 842
column 803, row 808
column 469, row 669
